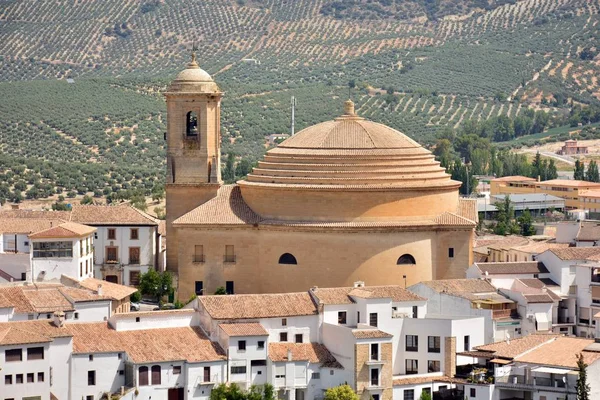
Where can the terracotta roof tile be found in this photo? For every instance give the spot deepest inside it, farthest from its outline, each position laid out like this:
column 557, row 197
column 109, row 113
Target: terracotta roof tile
column 449, row 218
column 35, row 214
column 540, row 298
column 45, row 298
column 425, row 379
column 577, row 253
column 467, row 208
column 14, row 295
column 123, row 214
column 244, row 329
column 540, row 247
column 509, row 268
column 251, row 306
column 514, row 347
column 561, row 352
column 36, row 331
column 155, row 313
column 516, row 178
column 466, row 288
column 342, row 295
column 64, row 230
column 370, row 334
column 509, row 242
column 538, row 283
column 27, row 225
column 568, row 183
column 314, row 353
column 48, row 300
column 589, row 231
column 14, row 335
column 109, row 289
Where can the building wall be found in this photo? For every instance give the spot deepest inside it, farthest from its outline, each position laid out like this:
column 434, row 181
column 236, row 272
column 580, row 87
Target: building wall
column 25, row 389
column 93, row 311
column 363, row 369
column 325, row 258
column 9, row 242
column 55, row 267
column 196, row 389
column 106, row 367
column 146, row 242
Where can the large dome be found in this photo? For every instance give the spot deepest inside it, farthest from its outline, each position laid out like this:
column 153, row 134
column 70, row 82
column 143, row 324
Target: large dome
column 349, row 168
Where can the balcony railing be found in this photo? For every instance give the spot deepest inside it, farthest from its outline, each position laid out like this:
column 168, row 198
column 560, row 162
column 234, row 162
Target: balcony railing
column 532, row 381
column 229, row 258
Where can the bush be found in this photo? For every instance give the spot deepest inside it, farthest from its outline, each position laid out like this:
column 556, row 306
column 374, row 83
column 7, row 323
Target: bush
column 135, row 297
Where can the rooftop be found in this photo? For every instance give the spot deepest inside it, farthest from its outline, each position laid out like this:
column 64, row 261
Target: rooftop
column 244, row 329
column 561, row 352
column 344, row 295
column 64, row 230
column 589, row 231
column 27, row 225
column 514, row 347
column 568, row 183
column 577, row 253
column 314, row 353
column 109, row 289
column 123, row 214
column 466, row 288
column 514, row 178
column 512, row 267
column 529, row 198
column 370, row 334
column 44, row 298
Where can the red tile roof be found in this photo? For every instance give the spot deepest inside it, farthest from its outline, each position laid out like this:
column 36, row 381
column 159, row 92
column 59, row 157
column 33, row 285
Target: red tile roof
column 122, row 214
column 510, row 268
column 344, row 295
column 244, row 329
column 252, row 306
column 64, row 230
column 314, row 353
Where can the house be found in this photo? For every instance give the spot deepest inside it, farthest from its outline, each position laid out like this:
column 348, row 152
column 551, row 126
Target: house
column 571, row 147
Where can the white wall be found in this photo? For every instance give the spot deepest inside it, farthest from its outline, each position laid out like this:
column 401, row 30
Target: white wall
column 145, row 241
column 55, row 267
column 195, row 389
column 92, row 311
column 60, row 362
column 24, row 367
column 106, row 366
column 7, row 242
column 127, row 321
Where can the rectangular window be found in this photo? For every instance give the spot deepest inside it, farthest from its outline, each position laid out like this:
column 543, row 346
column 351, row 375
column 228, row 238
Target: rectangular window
column 473, row 392
column 40, row 377
column 89, row 397
column 375, row 377
column 134, row 234
column 177, row 370
column 229, row 254
column 358, row 317
column 433, row 366
column 206, row 374
column 261, row 344
column 315, row 375
column 199, row 253
column 409, row 394
column 242, row 345
column 229, row 287
column 415, row 312
column 238, row 370
column 134, row 255
column 52, row 250
column 13, row 355
column 35, row 353
column 199, row 288
column 412, row 343
column 374, row 351
column 91, row 357
column 91, row 378
column 8, row 379
column 283, row 336
column 451, row 252
column 373, row 319
column 19, row 378
column 112, row 234
column 342, row 317
column 467, row 343
column 111, row 255
column 30, row 377
column 283, row 321
column 299, row 338
column 134, row 278
column 433, row 344
column 412, row 367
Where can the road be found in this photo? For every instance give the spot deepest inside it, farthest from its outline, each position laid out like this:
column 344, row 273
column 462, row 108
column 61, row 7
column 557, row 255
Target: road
column 566, row 159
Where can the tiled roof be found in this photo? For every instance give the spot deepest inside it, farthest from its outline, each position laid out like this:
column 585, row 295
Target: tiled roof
column 467, row 208
column 24, row 332
column 109, row 289
column 251, row 306
column 540, row 247
column 514, row 347
column 425, row 379
column 568, row 183
column 538, row 283
column 227, row 208
column 577, row 253
column 540, row 298
column 449, row 218
column 44, row 298
column 314, row 353
column 123, row 214
column 509, row 242
column 516, row 267
column 342, row 295
column 14, row 335
column 35, row 214
column 15, row 296
column 244, row 329
column 461, row 287
column 515, row 178
column 370, row 334
column 561, row 352
column 47, row 300
column 162, row 228
column 27, row 225
column 589, row 231
column 156, row 313
column 64, row 230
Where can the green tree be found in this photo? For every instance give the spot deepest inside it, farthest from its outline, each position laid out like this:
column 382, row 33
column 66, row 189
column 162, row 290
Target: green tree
column 526, row 223
column 60, row 206
column 220, row 291
column 591, row 175
column 342, row 392
column 505, row 218
column 461, row 172
column 156, row 284
column 135, row 297
column 536, row 165
column 579, row 171
column 425, row 396
column 158, row 192
column 582, row 387
column 229, row 171
column 551, row 173
column 243, row 168
column 86, row 200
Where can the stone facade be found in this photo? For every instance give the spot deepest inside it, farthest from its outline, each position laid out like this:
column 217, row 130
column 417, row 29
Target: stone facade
column 363, row 369
column 450, row 356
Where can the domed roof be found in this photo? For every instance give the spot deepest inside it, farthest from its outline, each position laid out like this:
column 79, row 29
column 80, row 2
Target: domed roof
column 350, row 152
column 193, row 79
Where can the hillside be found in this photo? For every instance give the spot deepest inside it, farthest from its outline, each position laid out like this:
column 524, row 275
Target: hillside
column 419, row 66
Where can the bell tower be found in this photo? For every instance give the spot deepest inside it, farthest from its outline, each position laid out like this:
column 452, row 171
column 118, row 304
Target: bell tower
column 193, row 146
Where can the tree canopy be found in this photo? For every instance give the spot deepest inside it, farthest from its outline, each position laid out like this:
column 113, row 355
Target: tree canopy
column 342, row 392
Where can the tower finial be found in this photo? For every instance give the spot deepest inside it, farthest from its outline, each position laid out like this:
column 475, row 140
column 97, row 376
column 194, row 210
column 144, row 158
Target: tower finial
column 349, row 107
column 193, row 63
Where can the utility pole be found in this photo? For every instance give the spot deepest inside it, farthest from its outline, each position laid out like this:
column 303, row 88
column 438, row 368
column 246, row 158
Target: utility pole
column 293, row 103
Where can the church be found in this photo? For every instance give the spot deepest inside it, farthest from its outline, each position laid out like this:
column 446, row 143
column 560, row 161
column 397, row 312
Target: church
column 341, row 201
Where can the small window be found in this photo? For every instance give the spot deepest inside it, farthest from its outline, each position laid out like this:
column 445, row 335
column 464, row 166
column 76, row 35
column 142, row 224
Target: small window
column 433, row 366
column 238, row 370
column 415, row 312
column 451, row 252
column 283, row 321
column 48, row 316
column 287, row 258
column 331, row 372
column 342, row 317
column 40, row 377
column 120, row 356
column 473, row 392
column 241, row 345
column 412, row 343
column 299, row 338
column 13, row 355
column 89, row 397
column 374, row 351
column 137, row 319
column 76, row 315
column 409, row 394
column 191, row 124
column 229, row 287
column 199, row 288
column 467, row 343
column 121, row 372
column 206, row 374
column 91, row 357
column 375, row 377
column 373, row 319
column 315, row 375
column 406, row 259
column 261, row 344
column 412, row 367
column 199, row 253
column 229, row 256
column 143, row 378
column 177, row 370
column 134, row 234
column 112, row 234
column 283, row 336
column 30, row 377
column 8, row 379
column 433, row 344
column 19, row 378
column 91, row 378
column 156, row 374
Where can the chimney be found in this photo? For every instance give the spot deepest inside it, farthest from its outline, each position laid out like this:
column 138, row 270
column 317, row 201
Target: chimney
column 99, row 291
column 450, row 356
column 289, row 355
column 359, row 284
column 59, row 319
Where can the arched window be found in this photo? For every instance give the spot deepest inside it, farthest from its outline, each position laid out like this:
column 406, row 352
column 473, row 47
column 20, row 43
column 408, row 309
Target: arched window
column 191, row 126
column 406, row 259
column 143, row 379
column 287, row 258
column 156, row 374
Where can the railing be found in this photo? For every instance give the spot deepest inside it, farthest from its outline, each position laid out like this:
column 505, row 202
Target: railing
column 227, row 258
column 198, row 258
column 515, row 380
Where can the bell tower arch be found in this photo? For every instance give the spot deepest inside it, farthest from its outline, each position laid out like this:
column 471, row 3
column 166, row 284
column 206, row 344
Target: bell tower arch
column 193, row 146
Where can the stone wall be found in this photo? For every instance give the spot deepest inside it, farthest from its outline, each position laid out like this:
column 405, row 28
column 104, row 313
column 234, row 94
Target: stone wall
column 363, row 371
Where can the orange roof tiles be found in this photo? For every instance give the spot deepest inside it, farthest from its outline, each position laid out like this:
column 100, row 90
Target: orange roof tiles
column 155, row 313
column 250, row 306
column 467, row 208
column 514, row 347
column 24, row 332
column 123, row 214
column 109, row 289
column 461, row 287
column 44, row 298
column 512, row 267
column 370, row 334
column 244, row 329
column 64, row 230
column 315, row 353
column 342, row 295
column 568, row 183
column 561, row 352
column 515, row 178
column 577, row 253
column 27, row 225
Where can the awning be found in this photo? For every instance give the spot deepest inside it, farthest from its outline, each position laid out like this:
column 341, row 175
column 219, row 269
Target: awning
column 500, row 361
column 550, row 370
column 542, row 321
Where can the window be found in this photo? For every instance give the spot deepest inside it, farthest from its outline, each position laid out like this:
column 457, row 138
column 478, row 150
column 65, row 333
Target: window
column 91, row 357
column 120, row 356
column 467, row 343
column 111, row 255
column 238, row 370
column 241, row 345
column 52, row 250
column 299, row 338
column 358, row 317
column 191, row 124
column 155, row 370
column 315, row 375
column 374, row 351
column 8, row 379
column 409, row 394
column 206, row 374
column 406, row 259
column 375, row 377
column 134, row 234
column 121, row 372
column 433, row 344
column 19, row 378
column 134, row 255
column 229, row 287
column 143, row 379
column 13, row 355
column 112, row 234
column 373, row 319
column 342, row 317
column 433, row 366
column 89, row 397
column 412, row 343
column 199, row 253
column 91, row 378
column 261, row 344
column 412, row 367
column 134, row 278
column 375, row 397
column 40, row 377
column 451, row 252
column 30, row 377
column 283, row 336
column 229, row 254
column 426, row 391
column 177, row 370
column 415, row 312
column 283, row 321
column 137, row 319
column 473, row 392
column 199, row 288
column 287, row 258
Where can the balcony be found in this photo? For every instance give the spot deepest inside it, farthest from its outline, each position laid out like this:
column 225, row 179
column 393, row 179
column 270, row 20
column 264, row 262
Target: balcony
column 229, row 259
column 534, row 383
